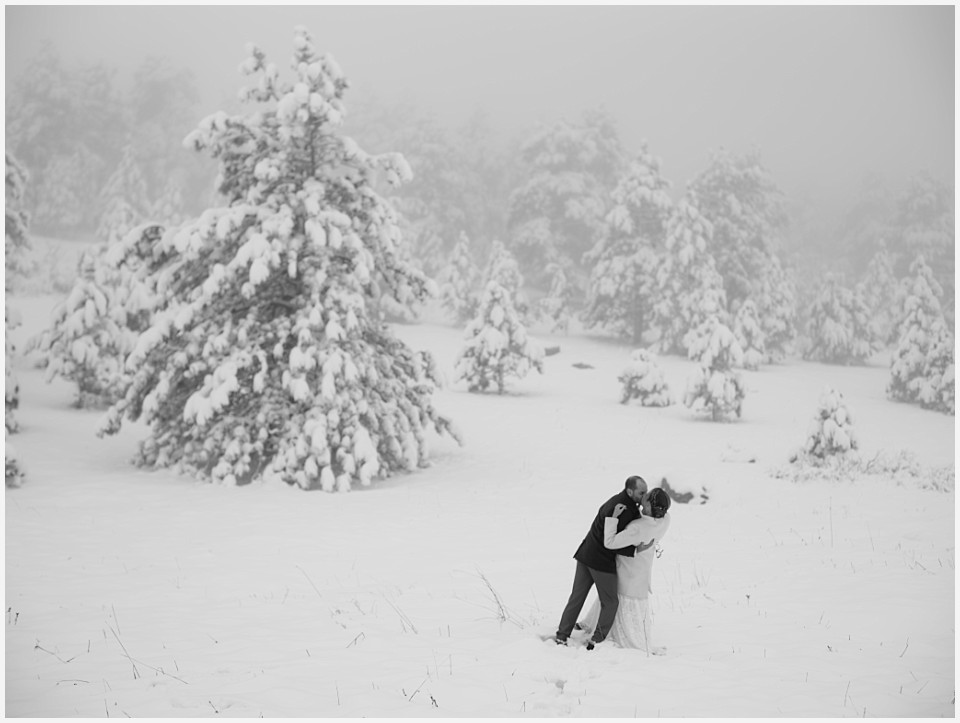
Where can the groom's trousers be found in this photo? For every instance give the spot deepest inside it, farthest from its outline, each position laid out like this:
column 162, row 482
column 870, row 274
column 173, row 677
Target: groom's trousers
column 583, row 580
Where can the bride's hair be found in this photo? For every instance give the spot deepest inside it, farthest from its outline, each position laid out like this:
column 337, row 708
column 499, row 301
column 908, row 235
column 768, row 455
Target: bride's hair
column 659, row 502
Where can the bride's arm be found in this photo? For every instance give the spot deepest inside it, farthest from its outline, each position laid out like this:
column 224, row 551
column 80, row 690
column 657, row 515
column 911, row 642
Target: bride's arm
column 639, row 532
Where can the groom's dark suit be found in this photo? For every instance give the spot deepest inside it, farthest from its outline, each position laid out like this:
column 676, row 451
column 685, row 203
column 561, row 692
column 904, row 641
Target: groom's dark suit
column 596, row 565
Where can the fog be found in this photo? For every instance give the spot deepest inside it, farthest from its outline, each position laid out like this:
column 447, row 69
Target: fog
column 825, row 93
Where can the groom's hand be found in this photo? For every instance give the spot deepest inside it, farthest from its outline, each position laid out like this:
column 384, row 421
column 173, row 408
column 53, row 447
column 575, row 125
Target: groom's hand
column 645, row 546
column 618, row 509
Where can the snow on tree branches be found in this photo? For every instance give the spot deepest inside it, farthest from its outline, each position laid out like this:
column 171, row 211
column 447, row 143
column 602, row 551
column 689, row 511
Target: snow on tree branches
column 746, row 209
column 503, row 268
column 16, row 220
column 831, row 432
column 497, row 345
column 457, row 291
column 557, row 212
column 922, row 367
column 716, row 387
column 16, row 246
column 556, row 304
column 840, row 328
column 881, row 293
column 624, row 262
column 746, row 329
column 88, row 339
column 269, row 357
column 643, row 379
column 124, row 200
column 690, row 290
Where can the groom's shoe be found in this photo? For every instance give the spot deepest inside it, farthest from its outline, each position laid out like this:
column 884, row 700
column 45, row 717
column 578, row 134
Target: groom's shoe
column 591, row 645
column 560, row 641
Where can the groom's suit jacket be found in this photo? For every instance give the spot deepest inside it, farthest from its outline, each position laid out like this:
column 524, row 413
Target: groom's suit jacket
column 591, row 552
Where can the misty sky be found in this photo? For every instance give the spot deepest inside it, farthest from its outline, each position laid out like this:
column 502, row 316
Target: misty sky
column 826, row 93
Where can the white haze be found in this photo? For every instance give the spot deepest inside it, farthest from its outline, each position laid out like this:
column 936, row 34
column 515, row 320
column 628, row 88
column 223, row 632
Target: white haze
column 827, row 94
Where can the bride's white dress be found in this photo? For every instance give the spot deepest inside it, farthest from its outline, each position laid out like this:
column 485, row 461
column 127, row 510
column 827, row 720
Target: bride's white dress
column 633, row 625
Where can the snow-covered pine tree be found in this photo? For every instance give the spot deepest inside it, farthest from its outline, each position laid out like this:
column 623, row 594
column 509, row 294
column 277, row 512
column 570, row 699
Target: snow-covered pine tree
column 458, row 288
column 840, row 329
column 270, row 358
column 88, row 340
column 123, row 199
column 557, row 212
column 689, row 288
column 831, row 433
column 16, row 247
column 926, row 226
column 746, row 209
column 496, row 344
column 503, row 268
column 777, row 310
column 623, row 276
column 643, row 379
column 921, row 363
column 168, row 208
column 746, row 329
column 716, row 386
column 879, row 289
column 937, row 389
column 556, row 304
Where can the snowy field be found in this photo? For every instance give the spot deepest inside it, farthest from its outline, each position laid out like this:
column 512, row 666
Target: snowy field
column 134, row 593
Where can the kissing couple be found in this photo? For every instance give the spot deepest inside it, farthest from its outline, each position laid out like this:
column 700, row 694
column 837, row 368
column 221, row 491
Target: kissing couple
column 617, row 556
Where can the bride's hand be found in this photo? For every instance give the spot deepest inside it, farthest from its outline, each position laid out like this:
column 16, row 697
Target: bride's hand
column 645, row 545
column 618, row 509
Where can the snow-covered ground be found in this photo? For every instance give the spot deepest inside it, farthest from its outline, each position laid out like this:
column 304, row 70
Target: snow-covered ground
column 148, row 594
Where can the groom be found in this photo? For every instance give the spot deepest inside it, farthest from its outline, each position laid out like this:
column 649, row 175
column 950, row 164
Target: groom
column 596, row 565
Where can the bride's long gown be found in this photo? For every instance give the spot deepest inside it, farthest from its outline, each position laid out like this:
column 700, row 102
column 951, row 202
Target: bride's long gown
column 633, row 625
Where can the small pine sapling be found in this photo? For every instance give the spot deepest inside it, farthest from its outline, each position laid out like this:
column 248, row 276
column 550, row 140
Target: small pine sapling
column 88, row 341
column 497, row 345
column 831, row 434
column 643, row 379
column 716, row 387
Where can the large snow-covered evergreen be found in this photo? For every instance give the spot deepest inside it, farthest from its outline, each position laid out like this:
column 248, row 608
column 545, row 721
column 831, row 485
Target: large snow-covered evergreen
column 840, row 329
column 689, row 289
column 624, row 263
column 737, row 194
column 269, row 357
column 557, row 212
column 922, row 367
column 497, row 345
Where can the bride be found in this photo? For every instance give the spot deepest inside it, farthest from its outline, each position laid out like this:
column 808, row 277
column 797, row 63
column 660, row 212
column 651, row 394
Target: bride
column 633, row 624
